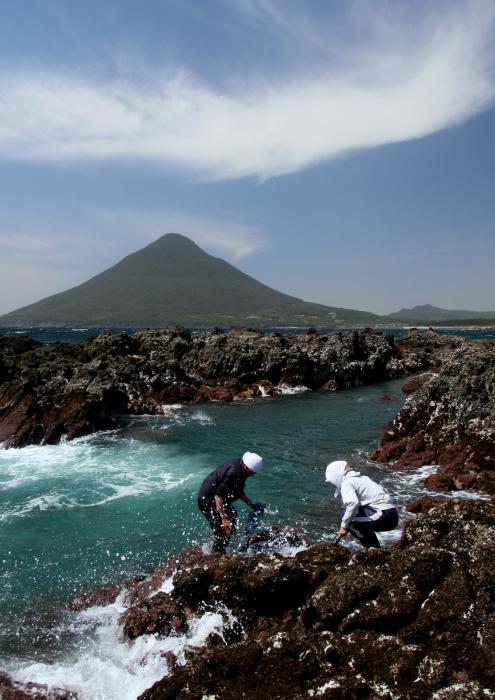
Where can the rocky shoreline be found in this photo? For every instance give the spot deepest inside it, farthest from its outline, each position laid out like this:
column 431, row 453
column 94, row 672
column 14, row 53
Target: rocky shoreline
column 60, row 390
column 412, row 622
column 415, row 621
column 448, row 420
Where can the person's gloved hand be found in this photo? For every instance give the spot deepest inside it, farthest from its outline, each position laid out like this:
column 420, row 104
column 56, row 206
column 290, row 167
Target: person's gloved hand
column 259, row 508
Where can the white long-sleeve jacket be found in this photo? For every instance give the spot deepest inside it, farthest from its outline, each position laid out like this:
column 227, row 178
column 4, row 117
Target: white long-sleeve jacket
column 357, row 490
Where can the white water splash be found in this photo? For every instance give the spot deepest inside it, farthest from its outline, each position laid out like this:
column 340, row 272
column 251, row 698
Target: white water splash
column 167, row 586
column 287, row 390
column 86, row 473
column 202, row 417
column 102, row 665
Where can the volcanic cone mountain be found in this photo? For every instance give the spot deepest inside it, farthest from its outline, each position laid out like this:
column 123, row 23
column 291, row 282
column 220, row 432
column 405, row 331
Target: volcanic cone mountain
column 174, row 281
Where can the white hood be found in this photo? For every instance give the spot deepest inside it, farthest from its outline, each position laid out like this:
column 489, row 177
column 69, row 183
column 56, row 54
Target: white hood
column 334, row 474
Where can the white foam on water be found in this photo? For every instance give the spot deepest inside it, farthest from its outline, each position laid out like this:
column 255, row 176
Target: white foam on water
column 287, row 390
column 468, row 495
column 174, row 482
column 407, row 485
column 52, row 501
column 172, row 409
column 104, row 666
column 39, row 503
column 86, row 473
column 202, row 417
column 289, row 551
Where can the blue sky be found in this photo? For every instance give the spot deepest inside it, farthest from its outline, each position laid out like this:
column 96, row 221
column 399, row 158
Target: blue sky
column 339, row 151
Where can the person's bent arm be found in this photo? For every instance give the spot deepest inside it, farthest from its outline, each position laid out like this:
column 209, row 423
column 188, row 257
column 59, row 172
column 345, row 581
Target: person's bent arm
column 247, row 500
column 226, row 524
column 351, row 503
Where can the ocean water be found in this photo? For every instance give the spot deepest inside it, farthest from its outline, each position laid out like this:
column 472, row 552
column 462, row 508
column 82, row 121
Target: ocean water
column 102, row 508
column 79, row 335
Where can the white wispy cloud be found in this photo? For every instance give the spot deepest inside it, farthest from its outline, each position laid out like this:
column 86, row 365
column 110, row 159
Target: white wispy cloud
column 404, row 83
column 222, row 234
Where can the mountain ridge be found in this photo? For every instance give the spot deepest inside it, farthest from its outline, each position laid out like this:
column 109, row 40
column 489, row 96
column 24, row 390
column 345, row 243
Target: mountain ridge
column 427, row 312
column 172, row 280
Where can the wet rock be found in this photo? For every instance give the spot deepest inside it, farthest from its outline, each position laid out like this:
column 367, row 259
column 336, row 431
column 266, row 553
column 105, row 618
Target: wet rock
column 266, row 387
column 331, row 385
column 159, row 614
column 100, row 596
column 274, row 539
column 425, row 504
column 415, row 621
column 416, row 382
column 427, row 350
column 449, row 421
column 56, row 391
column 213, row 393
column 247, row 393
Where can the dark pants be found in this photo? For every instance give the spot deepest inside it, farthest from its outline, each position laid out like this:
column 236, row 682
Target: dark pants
column 367, row 521
column 220, row 538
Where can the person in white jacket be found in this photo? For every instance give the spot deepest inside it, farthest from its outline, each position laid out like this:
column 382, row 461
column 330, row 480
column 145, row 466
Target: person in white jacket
column 367, row 507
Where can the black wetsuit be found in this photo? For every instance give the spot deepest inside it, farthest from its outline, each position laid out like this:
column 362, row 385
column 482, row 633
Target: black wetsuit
column 227, row 481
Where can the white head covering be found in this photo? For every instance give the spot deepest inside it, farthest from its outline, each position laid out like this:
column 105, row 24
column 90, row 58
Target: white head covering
column 252, row 461
column 334, row 473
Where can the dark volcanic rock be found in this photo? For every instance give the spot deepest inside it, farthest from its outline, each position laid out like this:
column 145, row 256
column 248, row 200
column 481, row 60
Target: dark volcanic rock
column 426, row 350
column 159, row 614
column 416, row 382
column 450, row 421
column 51, row 391
column 425, row 504
column 100, row 596
column 416, row 621
column 275, row 538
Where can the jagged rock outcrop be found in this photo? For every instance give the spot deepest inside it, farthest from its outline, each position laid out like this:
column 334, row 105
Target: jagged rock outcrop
column 449, row 420
column 426, row 349
column 415, row 621
column 50, row 391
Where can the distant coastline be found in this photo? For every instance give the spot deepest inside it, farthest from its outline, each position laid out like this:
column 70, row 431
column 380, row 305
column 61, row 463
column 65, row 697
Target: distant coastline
column 68, row 334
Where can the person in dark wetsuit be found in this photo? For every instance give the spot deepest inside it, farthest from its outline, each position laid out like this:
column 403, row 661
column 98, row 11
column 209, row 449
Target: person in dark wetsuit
column 218, row 491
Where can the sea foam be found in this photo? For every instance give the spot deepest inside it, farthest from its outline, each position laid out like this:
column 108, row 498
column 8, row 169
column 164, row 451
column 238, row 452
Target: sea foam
column 85, row 473
column 102, row 665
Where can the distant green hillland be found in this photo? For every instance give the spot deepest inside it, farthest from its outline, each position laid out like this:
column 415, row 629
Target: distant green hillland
column 174, row 281
column 434, row 314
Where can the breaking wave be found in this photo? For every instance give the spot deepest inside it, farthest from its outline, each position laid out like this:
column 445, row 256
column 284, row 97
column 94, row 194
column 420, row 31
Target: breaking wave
column 99, row 664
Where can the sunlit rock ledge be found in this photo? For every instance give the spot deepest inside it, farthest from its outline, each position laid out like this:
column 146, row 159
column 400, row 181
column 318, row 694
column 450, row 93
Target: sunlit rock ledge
column 448, row 420
column 61, row 390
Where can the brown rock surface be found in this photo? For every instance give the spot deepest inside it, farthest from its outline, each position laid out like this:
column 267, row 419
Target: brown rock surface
column 416, row 621
column 412, row 622
column 449, row 420
column 425, row 504
column 56, row 390
column 99, row 596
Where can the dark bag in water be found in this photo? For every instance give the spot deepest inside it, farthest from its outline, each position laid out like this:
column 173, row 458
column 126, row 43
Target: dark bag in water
column 253, row 517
